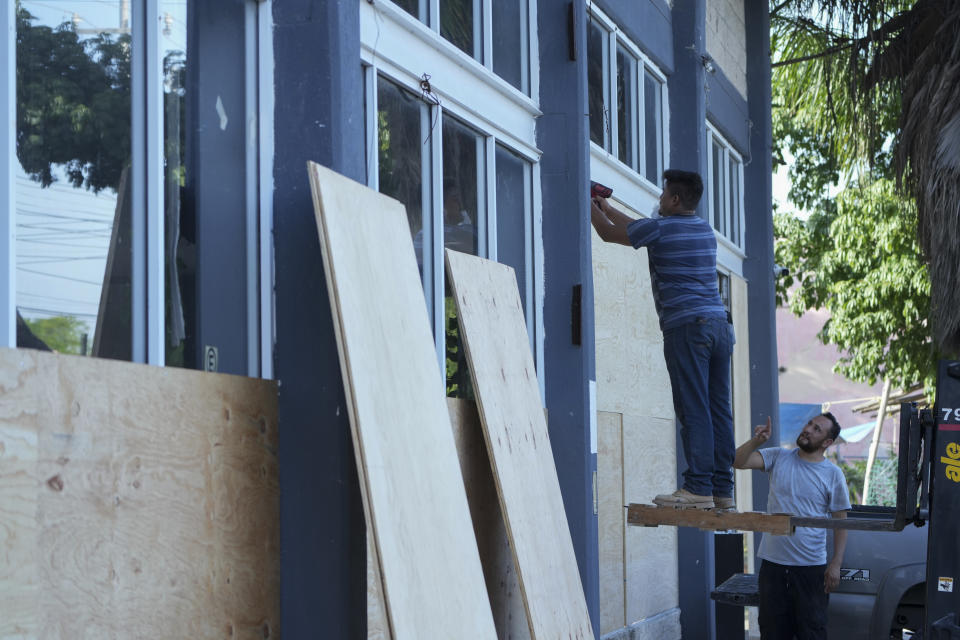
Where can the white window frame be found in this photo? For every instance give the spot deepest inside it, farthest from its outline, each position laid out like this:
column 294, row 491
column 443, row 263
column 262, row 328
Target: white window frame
column 629, row 185
column 148, row 308
column 429, row 20
column 403, row 50
column 729, row 253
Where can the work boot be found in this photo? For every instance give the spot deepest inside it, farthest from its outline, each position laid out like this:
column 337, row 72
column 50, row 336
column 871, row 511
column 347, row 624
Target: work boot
column 724, row 504
column 683, row 499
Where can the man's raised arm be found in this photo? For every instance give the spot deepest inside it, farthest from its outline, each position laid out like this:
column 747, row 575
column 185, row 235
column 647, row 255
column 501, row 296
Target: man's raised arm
column 747, row 456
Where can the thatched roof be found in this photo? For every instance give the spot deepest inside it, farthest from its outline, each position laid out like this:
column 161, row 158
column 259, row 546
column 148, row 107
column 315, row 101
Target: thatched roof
column 925, row 58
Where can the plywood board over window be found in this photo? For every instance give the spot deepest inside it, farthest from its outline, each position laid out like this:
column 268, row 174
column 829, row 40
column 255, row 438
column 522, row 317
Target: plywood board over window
column 136, row 501
column 414, row 496
column 508, row 396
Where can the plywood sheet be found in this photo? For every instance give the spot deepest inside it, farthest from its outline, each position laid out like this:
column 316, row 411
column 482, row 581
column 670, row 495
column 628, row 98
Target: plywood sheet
column 496, row 556
column 505, row 381
column 414, row 495
column 136, row 501
column 611, row 517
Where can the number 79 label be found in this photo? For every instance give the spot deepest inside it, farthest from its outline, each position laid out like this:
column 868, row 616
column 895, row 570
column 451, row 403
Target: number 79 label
column 950, row 415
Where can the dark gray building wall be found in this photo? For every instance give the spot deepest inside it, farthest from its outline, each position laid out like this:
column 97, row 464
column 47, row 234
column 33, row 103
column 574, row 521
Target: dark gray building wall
column 648, row 24
column 563, row 137
column 758, row 267
column 319, row 117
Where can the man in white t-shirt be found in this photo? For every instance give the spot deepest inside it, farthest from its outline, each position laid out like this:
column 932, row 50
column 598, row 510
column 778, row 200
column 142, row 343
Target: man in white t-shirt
column 795, row 578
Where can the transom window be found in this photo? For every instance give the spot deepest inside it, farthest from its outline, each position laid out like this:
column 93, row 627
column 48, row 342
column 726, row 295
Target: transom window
column 725, row 188
column 495, row 33
column 626, row 95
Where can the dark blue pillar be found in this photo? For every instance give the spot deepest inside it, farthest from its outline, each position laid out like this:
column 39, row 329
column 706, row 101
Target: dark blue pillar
column 319, row 117
column 563, row 136
column 688, row 134
column 758, row 266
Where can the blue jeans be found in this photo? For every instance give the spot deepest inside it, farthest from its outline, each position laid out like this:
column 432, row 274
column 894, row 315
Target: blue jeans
column 698, row 361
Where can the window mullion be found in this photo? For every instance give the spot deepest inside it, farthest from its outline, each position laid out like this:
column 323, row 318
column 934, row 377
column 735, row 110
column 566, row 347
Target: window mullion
column 154, row 186
column 610, row 84
column 487, row 223
column 434, row 168
column 372, row 127
column 485, row 41
column 640, row 121
column 8, row 89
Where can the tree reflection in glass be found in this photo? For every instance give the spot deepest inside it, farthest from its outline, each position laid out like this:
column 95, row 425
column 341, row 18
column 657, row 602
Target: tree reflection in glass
column 72, row 188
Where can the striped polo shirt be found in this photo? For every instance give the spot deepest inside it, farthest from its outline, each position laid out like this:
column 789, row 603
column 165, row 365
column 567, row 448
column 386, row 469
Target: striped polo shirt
column 682, row 251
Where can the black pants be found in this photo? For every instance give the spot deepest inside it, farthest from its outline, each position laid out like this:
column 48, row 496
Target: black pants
column 792, row 602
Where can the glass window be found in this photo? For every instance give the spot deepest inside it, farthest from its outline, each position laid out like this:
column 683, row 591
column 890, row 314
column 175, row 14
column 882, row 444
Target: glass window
column 513, row 205
column 733, row 191
column 465, row 23
column 626, row 101
column 401, row 155
column 72, row 187
column 463, row 195
column 725, row 174
column 509, row 29
column 460, row 24
column 622, row 81
column 595, row 83
column 408, row 128
column 717, row 202
column 181, row 237
column 653, row 125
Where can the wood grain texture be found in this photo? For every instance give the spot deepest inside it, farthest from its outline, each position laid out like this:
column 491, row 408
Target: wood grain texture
column 496, row 556
column 611, row 521
column 651, row 516
column 501, row 365
column 136, row 501
column 414, row 496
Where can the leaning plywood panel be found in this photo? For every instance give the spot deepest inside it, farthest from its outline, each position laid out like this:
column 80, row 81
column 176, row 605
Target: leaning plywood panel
column 413, row 492
column 136, row 501
column 505, row 381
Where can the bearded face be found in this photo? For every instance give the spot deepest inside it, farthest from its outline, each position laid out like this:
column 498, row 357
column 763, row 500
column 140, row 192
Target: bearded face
column 814, row 434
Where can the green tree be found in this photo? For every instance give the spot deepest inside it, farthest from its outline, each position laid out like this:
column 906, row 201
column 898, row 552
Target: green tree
column 73, row 104
column 60, row 333
column 856, row 254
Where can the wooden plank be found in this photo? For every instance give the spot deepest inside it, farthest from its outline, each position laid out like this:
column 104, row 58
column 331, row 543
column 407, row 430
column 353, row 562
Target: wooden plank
column 499, row 570
column 650, row 516
column 610, row 521
column 136, row 501
column 414, row 496
column 508, row 396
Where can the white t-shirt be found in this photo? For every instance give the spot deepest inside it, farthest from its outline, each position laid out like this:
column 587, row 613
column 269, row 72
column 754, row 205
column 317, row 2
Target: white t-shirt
column 801, row 488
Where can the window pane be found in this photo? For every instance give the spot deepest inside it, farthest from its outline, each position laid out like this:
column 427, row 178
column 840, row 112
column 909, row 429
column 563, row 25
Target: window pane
column 400, row 150
column 595, row 72
column 653, row 114
column 509, row 54
column 734, row 191
column 513, row 204
column 412, row 7
column 626, row 92
column 462, row 201
column 72, row 184
column 716, row 187
column 460, row 24
column 181, row 236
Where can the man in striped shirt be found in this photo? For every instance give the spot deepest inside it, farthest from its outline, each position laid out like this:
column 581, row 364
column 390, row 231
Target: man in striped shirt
column 697, row 336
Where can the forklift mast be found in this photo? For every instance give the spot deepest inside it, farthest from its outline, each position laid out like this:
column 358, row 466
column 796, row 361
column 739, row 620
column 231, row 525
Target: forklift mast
column 943, row 537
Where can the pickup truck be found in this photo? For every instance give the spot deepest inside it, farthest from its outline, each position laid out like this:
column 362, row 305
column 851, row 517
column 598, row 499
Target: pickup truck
column 882, row 585
column 883, row 582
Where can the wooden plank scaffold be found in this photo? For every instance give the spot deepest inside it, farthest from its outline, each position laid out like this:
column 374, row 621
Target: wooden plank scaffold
column 783, row 524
